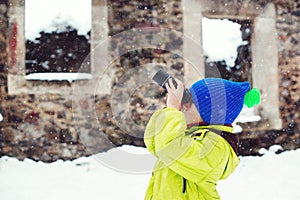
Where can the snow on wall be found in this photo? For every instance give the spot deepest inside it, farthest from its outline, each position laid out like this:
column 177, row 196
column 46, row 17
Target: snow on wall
column 54, row 15
column 58, row 76
column 221, row 39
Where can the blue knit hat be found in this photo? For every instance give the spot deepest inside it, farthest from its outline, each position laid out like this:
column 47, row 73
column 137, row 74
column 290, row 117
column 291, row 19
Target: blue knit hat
column 220, row 101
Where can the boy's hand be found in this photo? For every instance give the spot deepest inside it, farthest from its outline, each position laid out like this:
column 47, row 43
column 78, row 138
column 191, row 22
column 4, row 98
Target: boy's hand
column 174, row 94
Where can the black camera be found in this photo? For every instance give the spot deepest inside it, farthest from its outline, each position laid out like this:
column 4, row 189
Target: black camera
column 162, row 77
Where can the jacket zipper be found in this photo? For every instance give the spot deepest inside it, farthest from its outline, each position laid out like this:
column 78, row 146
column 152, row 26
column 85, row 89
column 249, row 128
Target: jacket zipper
column 183, row 185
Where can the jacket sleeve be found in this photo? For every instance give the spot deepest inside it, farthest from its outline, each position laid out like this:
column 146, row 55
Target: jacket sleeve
column 164, row 126
column 193, row 159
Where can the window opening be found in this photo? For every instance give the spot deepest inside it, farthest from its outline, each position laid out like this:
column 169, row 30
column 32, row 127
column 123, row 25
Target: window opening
column 227, row 48
column 227, row 51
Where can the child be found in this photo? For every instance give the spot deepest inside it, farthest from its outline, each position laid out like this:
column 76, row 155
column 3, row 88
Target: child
column 193, row 142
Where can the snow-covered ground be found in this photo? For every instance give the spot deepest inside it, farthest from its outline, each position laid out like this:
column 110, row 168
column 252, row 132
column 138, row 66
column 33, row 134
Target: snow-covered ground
column 270, row 177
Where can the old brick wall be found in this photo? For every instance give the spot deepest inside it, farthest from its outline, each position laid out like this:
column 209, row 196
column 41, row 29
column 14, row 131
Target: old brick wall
column 41, row 127
column 44, row 127
column 125, row 125
column 128, row 68
column 288, row 26
column 3, row 58
column 154, row 14
column 52, row 126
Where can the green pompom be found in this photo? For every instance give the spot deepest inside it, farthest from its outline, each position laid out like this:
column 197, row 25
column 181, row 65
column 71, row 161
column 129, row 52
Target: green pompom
column 252, row 98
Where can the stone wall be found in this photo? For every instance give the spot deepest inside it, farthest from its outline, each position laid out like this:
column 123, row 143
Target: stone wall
column 34, row 126
column 58, row 51
column 3, row 58
column 40, row 126
column 52, row 126
column 287, row 25
column 131, row 69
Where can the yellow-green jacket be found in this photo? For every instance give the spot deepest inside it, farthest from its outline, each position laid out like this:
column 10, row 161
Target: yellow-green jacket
column 188, row 164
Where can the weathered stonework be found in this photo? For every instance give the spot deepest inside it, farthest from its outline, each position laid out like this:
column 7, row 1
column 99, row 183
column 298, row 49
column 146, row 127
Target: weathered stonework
column 287, row 26
column 3, row 59
column 48, row 126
